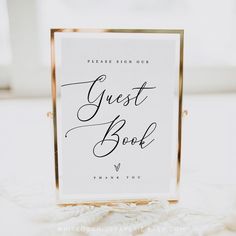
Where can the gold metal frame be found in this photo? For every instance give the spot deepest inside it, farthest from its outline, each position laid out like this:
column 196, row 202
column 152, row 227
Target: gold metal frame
column 180, row 32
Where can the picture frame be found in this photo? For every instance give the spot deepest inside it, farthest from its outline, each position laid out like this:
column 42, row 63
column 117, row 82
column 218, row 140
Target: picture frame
column 64, row 60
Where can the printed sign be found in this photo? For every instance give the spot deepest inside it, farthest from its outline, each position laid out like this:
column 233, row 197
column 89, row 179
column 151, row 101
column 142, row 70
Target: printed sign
column 117, row 101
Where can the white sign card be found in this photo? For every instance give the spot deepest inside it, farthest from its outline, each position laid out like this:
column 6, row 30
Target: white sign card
column 117, row 101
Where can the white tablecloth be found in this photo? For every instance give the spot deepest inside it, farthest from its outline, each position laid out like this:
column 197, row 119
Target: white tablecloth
column 208, row 180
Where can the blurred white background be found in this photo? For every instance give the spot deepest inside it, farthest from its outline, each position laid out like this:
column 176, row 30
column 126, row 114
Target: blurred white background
column 210, row 37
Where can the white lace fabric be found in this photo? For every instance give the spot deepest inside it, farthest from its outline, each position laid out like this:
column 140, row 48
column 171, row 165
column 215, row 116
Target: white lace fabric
column 156, row 218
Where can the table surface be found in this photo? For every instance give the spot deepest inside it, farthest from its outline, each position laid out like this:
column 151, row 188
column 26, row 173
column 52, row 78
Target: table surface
column 208, row 179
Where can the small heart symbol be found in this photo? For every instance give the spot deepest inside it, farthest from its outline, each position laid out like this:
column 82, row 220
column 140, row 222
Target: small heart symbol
column 117, row 167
